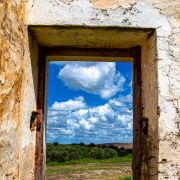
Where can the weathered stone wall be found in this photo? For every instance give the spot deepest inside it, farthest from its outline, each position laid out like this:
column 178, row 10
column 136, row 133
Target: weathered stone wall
column 12, row 50
column 160, row 68
column 17, row 93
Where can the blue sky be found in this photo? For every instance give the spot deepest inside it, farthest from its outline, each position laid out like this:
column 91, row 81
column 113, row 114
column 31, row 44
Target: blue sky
column 89, row 102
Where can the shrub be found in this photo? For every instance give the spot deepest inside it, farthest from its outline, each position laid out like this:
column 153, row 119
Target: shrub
column 122, row 152
column 58, row 156
column 110, row 153
column 74, row 154
column 97, row 153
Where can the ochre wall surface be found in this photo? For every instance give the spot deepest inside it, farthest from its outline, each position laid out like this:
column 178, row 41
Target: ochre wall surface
column 12, row 54
column 17, row 93
column 160, row 75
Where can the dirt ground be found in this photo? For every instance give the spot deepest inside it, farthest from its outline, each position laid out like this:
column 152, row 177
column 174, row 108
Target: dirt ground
column 90, row 171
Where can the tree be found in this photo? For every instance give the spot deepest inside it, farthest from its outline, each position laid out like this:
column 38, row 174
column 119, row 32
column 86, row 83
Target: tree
column 92, row 145
column 55, row 143
column 81, row 144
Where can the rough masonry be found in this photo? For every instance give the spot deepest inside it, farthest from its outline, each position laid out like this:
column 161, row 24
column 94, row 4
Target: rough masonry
column 160, row 75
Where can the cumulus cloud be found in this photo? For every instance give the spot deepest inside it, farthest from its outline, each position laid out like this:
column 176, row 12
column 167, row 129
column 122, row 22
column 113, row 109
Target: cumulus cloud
column 86, row 124
column 70, row 105
column 98, row 78
column 56, row 113
column 74, row 121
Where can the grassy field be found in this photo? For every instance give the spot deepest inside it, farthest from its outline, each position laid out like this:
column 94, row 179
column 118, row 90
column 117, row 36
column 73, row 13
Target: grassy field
column 118, row 168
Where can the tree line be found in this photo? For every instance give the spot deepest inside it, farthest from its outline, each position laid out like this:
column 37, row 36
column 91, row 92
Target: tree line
column 56, row 152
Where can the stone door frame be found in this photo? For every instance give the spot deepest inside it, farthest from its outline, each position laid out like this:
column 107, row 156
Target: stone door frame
column 133, row 54
column 141, row 51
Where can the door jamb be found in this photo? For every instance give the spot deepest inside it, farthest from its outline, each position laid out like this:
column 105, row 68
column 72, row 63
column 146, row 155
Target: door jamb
column 134, row 53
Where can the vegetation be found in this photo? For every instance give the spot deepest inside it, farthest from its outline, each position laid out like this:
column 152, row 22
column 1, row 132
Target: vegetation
column 125, row 159
column 125, row 178
column 106, row 169
column 88, row 162
column 79, row 153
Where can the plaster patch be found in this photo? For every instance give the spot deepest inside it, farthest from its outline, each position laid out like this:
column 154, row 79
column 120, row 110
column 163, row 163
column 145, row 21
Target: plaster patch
column 112, row 4
column 104, row 4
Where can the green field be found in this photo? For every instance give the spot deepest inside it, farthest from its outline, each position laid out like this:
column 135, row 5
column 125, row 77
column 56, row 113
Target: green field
column 88, row 169
column 83, row 167
column 124, row 159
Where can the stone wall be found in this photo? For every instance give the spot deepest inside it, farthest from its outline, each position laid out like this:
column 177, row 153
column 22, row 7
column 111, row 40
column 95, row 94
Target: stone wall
column 17, row 94
column 160, row 66
column 160, row 70
column 12, row 41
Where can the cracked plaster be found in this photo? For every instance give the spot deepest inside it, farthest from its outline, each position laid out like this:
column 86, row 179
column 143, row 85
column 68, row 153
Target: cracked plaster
column 163, row 68
column 17, row 83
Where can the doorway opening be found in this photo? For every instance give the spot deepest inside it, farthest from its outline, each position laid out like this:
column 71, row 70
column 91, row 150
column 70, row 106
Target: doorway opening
column 89, row 120
column 79, row 43
column 93, row 55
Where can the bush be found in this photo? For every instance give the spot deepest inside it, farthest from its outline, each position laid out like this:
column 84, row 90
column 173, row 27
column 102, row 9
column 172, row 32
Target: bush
column 58, row 156
column 74, row 154
column 122, row 152
column 110, row 153
column 97, row 153
column 63, row 152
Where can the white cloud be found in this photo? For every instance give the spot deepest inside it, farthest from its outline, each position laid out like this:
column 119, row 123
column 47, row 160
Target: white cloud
column 110, row 121
column 126, row 99
column 115, row 102
column 66, row 132
column 124, row 119
column 98, row 78
column 80, row 113
column 86, row 124
column 101, row 110
column 73, row 123
column 93, row 120
column 57, row 113
column 70, row 105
